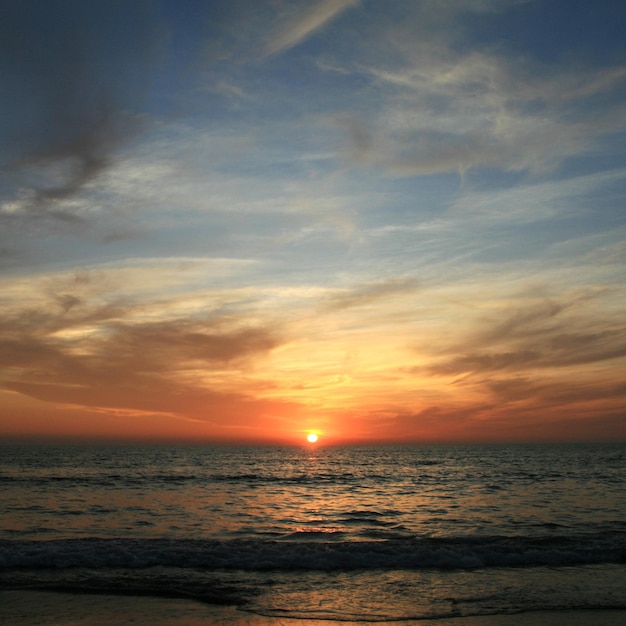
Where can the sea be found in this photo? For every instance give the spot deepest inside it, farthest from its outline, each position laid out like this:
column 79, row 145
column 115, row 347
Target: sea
column 361, row 533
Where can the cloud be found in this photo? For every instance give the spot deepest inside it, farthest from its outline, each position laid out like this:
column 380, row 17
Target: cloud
column 306, row 23
column 510, row 408
column 73, row 350
column 544, row 336
column 73, row 85
column 59, row 171
column 178, row 342
column 444, row 111
column 369, row 293
column 546, row 392
column 572, row 418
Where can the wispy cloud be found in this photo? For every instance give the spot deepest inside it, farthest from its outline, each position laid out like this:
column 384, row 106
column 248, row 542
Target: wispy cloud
column 370, row 293
column 448, row 264
column 307, row 22
column 72, row 350
column 445, row 111
column 546, row 335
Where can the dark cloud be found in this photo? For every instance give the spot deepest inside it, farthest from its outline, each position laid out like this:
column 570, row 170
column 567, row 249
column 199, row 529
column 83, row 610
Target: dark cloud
column 565, row 350
column 548, row 334
column 168, row 344
column 67, row 301
column 541, row 393
column 525, row 321
column 59, row 171
column 74, row 76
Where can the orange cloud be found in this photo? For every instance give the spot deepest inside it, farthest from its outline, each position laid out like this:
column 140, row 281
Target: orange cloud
column 96, row 360
column 82, row 362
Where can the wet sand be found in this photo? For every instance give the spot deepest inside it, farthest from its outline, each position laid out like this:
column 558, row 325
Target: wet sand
column 36, row 608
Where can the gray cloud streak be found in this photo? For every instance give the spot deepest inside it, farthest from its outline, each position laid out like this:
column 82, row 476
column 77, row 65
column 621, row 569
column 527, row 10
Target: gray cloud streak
column 71, row 97
column 306, row 23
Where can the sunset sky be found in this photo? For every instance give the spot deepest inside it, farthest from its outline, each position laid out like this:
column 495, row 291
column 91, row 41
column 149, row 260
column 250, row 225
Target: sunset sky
column 375, row 220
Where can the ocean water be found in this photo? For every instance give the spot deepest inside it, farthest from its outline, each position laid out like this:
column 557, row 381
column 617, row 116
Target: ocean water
column 348, row 533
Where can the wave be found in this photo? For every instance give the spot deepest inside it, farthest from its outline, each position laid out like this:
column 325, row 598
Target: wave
column 253, row 479
column 315, row 555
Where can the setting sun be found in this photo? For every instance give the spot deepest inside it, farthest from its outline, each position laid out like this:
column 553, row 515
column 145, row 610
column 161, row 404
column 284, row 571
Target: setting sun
column 311, row 437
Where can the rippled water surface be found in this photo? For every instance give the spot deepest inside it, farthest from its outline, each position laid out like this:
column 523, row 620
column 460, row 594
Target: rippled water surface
column 345, row 493
column 220, row 522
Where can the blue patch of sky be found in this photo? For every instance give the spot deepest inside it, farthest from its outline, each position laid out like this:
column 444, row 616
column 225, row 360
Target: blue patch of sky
column 549, row 31
column 407, row 201
column 609, row 159
column 493, row 179
column 66, row 63
column 538, row 239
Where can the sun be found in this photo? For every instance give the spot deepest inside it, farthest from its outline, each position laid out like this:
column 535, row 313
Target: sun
column 312, row 437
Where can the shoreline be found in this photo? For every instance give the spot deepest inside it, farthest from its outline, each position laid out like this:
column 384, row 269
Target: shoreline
column 38, row 608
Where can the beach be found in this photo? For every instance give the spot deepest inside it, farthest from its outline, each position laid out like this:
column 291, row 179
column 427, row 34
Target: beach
column 36, row 608
column 181, row 535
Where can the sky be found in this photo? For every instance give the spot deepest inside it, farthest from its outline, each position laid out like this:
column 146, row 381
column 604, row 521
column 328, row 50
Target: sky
column 374, row 220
